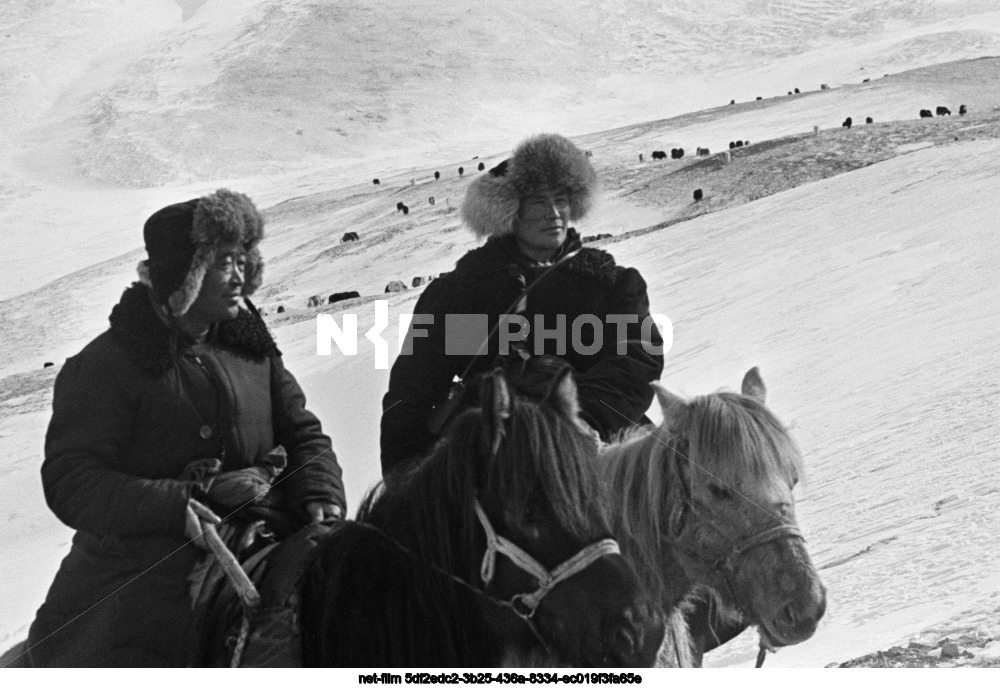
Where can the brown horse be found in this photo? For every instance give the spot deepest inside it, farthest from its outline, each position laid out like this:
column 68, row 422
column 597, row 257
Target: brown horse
column 717, row 477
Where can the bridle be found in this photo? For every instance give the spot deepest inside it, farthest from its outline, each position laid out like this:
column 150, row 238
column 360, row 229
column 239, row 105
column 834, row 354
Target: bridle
column 525, row 604
column 727, row 565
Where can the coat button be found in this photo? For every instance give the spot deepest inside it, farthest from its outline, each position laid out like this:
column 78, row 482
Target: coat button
column 205, row 431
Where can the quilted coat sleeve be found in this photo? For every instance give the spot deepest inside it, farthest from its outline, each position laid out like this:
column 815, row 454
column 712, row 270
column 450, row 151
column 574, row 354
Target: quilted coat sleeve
column 614, row 392
column 92, row 421
column 313, row 470
column 418, row 381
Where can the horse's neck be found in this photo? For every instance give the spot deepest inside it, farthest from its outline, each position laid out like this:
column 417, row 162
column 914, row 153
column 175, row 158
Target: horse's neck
column 640, row 476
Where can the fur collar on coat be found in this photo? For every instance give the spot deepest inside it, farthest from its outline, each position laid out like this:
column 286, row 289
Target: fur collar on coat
column 137, row 327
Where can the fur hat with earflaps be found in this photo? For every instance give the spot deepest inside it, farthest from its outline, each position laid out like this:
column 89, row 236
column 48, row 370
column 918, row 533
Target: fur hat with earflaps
column 540, row 163
column 182, row 240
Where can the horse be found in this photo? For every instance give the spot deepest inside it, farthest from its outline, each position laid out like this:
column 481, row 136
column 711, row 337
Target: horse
column 705, row 511
column 494, row 549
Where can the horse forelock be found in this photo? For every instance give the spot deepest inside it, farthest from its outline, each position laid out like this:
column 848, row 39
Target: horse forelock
column 545, row 453
column 735, row 438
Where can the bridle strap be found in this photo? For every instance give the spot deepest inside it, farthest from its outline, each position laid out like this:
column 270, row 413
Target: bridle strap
column 525, row 604
column 780, row 532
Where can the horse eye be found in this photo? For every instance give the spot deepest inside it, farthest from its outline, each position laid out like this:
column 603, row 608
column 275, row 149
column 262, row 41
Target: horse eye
column 720, row 492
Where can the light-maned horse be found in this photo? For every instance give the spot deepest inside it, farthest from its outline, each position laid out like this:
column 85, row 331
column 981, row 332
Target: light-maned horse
column 706, row 507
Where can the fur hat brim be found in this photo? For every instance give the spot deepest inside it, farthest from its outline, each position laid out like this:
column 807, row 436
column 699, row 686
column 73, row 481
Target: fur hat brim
column 220, row 219
column 539, row 163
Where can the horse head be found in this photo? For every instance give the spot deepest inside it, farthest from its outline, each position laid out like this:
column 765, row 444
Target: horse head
column 548, row 547
column 731, row 509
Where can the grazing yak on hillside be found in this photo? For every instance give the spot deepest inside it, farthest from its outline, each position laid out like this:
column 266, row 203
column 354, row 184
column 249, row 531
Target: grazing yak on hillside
column 376, row 182
column 343, row 296
column 962, row 110
column 869, row 120
column 697, row 195
column 349, row 236
column 431, row 200
column 481, row 167
column 281, row 309
column 48, row 364
column 399, row 206
column 395, row 285
column 847, row 123
column 461, row 171
column 437, row 175
column 942, row 110
column 659, row 155
column 926, row 113
column 405, row 209
column 314, row 301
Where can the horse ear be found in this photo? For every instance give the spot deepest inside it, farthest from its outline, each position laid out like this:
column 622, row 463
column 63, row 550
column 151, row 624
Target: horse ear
column 498, row 399
column 753, row 385
column 674, row 408
column 565, row 396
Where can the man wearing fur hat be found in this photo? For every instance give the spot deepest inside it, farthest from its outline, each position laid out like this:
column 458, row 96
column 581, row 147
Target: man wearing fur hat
column 185, row 387
column 532, row 267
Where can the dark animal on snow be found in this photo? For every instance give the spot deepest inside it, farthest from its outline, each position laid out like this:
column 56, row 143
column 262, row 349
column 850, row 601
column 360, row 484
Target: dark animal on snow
column 481, row 167
column 732, row 144
column 759, row 98
column 962, row 110
column 461, row 171
column 739, row 144
column 823, row 87
column 395, row 285
column 732, row 102
column 281, row 309
column 376, row 182
column 796, row 90
column 697, row 195
column 48, row 364
column 349, row 236
column 869, row 120
column 431, row 200
column 865, row 80
column 343, row 296
column 640, row 157
column 942, row 110
column 847, row 123
column 399, row 206
column 926, row 113
column 659, row 155
column 314, row 301
column 437, row 175
column 405, row 209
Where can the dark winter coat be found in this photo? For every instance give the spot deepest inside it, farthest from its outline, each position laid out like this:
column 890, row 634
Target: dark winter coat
column 613, row 389
column 128, row 415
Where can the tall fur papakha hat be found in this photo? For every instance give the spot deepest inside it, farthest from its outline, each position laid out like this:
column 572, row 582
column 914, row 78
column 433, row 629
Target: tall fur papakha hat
column 540, row 163
column 182, row 241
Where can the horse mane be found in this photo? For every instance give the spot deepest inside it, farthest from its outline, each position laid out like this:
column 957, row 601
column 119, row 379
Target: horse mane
column 731, row 436
column 425, row 512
